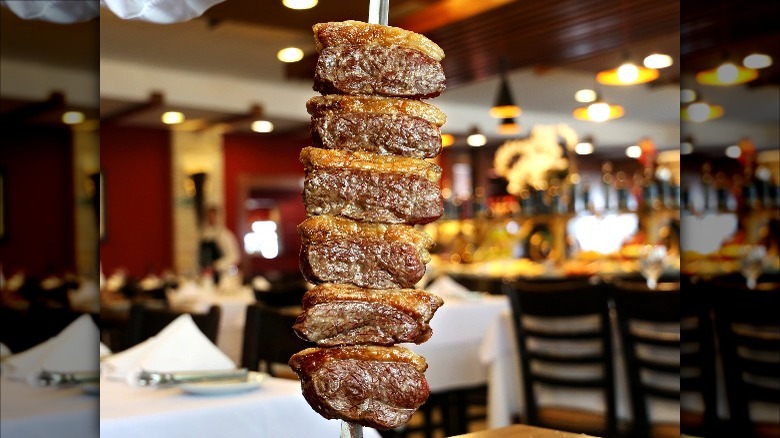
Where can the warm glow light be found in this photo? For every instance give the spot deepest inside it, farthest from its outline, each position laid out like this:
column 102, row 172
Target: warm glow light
column 585, row 96
column 628, row 73
column 172, row 117
column 634, row 151
column 262, row 126
column 686, row 148
column 726, row 74
column 733, row 151
column 508, row 126
column 687, row 95
column 290, row 54
column 300, row 4
column 476, row 140
column 583, row 148
column 598, row 112
column 700, row 112
column 657, row 60
column 757, row 60
column 72, row 117
column 584, row 112
column 447, row 140
column 505, row 112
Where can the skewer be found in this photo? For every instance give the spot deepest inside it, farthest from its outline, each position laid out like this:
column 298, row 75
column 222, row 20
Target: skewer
column 378, row 11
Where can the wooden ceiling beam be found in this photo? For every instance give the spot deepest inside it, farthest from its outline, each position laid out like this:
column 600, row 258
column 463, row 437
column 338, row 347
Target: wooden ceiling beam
column 55, row 102
column 156, row 100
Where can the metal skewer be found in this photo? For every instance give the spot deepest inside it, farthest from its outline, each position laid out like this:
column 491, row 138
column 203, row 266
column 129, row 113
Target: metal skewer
column 378, row 11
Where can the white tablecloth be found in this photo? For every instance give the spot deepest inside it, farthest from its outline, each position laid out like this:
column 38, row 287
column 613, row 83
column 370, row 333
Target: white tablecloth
column 498, row 352
column 233, row 306
column 276, row 410
column 31, row 412
column 452, row 353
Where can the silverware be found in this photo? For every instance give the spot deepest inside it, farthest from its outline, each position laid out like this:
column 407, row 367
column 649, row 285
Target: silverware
column 151, row 378
column 56, row 378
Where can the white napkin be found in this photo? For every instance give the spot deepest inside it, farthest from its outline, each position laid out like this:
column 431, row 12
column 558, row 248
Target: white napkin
column 104, row 350
column 180, row 346
column 4, row 350
column 446, row 287
column 87, row 296
column 73, row 349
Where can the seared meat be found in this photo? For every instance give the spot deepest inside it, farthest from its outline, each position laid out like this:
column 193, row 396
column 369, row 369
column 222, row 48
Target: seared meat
column 321, row 105
column 358, row 33
column 342, row 314
column 377, row 387
column 371, row 187
column 376, row 256
column 385, row 71
column 378, row 133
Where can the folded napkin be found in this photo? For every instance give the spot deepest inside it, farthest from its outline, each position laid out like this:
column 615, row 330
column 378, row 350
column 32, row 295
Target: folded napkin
column 104, row 350
column 446, row 287
column 4, row 350
column 73, row 349
column 180, row 346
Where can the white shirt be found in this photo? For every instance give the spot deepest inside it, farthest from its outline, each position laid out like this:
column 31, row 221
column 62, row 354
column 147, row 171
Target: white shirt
column 72, row 11
column 227, row 243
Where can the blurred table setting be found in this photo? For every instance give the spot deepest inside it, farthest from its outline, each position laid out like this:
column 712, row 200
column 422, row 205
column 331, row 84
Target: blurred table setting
column 51, row 385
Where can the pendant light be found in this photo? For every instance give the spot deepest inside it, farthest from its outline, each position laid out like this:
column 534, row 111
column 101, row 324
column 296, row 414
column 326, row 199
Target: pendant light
column 508, row 126
column 598, row 111
column 504, row 106
column 727, row 73
column 627, row 73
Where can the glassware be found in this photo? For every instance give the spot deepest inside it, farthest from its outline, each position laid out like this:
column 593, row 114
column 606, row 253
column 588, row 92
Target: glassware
column 752, row 263
column 651, row 263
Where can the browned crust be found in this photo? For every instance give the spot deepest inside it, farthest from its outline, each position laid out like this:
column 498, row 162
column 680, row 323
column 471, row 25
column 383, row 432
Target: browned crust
column 418, row 303
column 358, row 33
column 307, row 361
column 326, row 228
column 375, row 104
column 312, row 157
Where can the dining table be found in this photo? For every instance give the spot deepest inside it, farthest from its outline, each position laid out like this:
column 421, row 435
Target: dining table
column 42, row 412
column 276, row 409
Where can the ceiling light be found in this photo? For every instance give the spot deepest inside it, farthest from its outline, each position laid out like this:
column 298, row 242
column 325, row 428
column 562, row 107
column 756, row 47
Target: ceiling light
column 598, row 111
column 585, row 95
column 72, row 117
column 733, row 151
column 262, row 126
column 476, row 138
column 505, row 106
column 290, row 54
column 172, row 117
column 727, row 73
column 508, row 126
column 686, row 146
column 584, row 148
column 700, row 111
column 657, row 60
column 300, row 4
column 687, row 95
column 447, row 140
column 634, row 151
column 627, row 74
column 757, row 60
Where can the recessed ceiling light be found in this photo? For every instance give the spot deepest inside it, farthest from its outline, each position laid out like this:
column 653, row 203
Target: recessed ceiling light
column 72, row 117
column 733, row 151
column 585, row 96
column 172, row 117
column 634, row 151
column 757, row 60
column 290, row 54
column 686, row 148
column 658, row 60
column 262, row 126
column 300, row 4
column 687, row 95
column 583, row 148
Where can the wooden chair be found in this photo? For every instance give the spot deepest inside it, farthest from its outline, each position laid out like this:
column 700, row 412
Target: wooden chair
column 145, row 322
column 697, row 360
column 649, row 322
column 748, row 328
column 269, row 338
column 546, row 303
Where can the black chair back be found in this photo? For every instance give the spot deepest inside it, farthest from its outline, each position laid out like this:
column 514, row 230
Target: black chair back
column 649, row 325
column 591, row 342
column 269, row 338
column 748, row 327
column 145, row 322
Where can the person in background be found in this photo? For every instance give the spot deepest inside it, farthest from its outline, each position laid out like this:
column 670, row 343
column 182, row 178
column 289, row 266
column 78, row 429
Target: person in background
column 218, row 250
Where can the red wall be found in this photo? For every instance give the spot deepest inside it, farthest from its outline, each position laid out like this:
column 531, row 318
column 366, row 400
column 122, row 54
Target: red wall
column 266, row 156
column 136, row 164
column 37, row 167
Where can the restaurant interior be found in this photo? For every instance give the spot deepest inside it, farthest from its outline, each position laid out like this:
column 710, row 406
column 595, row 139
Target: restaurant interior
column 607, row 254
